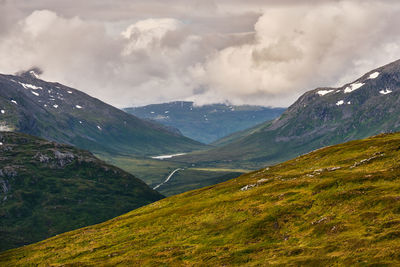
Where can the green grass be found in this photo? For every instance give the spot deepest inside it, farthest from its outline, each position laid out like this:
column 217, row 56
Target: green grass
column 42, row 195
column 339, row 205
column 154, row 172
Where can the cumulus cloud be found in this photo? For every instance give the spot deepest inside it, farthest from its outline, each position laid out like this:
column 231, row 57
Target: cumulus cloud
column 253, row 52
column 299, row 48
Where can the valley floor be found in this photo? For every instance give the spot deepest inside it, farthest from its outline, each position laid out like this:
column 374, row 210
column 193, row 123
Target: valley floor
column 154, row 172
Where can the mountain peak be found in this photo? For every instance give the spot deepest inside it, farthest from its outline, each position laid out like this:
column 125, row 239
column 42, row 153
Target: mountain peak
column 33, row 73
column 60, row 113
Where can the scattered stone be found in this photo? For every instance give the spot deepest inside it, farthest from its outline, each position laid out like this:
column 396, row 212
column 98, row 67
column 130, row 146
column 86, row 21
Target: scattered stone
column 42, row 158
column 261, row 181
column 374, row 156
column 5, row 186
column 247, row 187
column 8, row 171
column 320, row 220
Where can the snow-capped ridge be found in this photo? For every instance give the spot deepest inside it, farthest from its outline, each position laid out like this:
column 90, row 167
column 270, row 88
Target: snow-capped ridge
column 352, row 87
column 30, row 86
column 373, row 75
column 34, row 74
column 324, row 92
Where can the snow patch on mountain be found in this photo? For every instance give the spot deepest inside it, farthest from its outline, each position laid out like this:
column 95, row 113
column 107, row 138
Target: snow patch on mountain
column 324, row 92
column 34, row 74
column 385, row 92
column 36, row 94
column 353, row 87
column 30, row 86
column 339, row 103
column 373, row 75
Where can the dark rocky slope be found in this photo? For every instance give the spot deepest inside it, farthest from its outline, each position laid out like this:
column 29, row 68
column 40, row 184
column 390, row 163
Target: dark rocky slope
column 47, row 188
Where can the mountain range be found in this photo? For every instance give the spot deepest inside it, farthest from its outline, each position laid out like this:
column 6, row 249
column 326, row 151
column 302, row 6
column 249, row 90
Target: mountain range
column 324, row 116
column 66, row 115
column 338, row 206
column 206, row 123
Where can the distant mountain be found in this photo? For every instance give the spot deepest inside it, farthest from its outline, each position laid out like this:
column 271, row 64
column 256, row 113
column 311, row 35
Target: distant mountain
column 206, row 123
column 47, row 188
column 325, row 116
column 63, row 114
column 338, row 206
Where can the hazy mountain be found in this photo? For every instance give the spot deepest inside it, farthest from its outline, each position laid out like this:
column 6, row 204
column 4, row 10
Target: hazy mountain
column 48, row 188
column 206, row 123
column 324, row 116
column 338, row 206
column 56, row 112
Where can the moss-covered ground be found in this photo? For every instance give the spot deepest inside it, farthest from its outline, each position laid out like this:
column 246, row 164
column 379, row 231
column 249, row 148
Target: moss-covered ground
column 339, row 205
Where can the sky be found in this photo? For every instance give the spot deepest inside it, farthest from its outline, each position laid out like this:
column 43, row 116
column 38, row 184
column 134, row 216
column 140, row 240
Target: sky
column 259, row 52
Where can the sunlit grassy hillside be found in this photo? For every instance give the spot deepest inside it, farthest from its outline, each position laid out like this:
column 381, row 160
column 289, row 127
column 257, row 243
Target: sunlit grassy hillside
column 339, row 205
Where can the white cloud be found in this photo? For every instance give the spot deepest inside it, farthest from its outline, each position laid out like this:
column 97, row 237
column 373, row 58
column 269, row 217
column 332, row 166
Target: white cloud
column 299, row 48
column 253, row 52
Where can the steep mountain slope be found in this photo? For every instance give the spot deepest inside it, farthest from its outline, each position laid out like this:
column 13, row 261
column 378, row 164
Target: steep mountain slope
column 324, row 116
column 206, row 123
column 47, row 188
column 56, row 112
column 339, row 205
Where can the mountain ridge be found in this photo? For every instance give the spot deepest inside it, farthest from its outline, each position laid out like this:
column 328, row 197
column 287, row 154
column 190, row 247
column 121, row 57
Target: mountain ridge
column 320, row 117
column 206, row 123
column 63, row 114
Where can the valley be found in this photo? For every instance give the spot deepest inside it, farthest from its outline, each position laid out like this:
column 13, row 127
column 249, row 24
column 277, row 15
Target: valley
column 320, row 117
column 206, row 123
column 199, row 133
column 154, row 172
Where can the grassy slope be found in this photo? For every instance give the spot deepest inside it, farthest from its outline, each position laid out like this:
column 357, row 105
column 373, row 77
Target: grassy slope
column 42, row 198
column 303, row 211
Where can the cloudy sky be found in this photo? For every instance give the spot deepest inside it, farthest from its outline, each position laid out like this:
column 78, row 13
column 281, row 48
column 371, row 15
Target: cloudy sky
column 135, row 52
